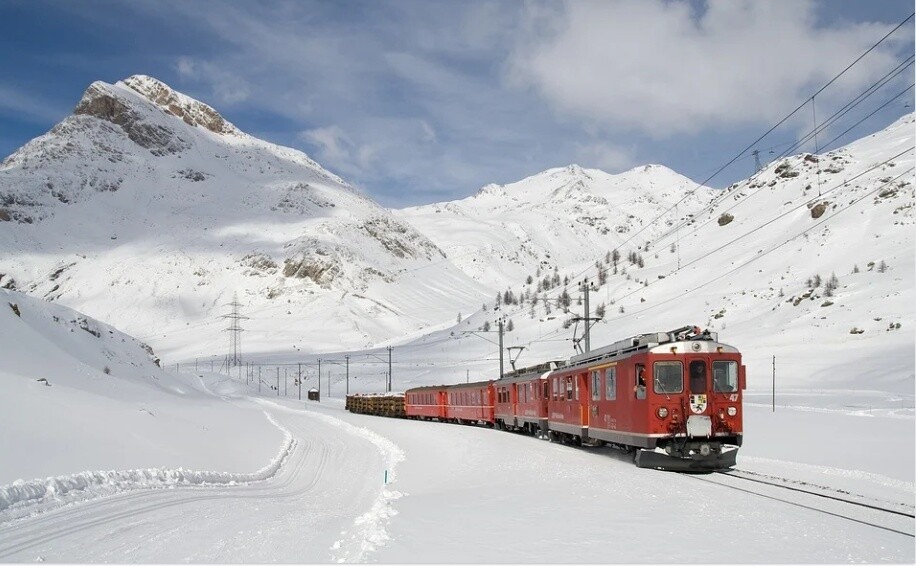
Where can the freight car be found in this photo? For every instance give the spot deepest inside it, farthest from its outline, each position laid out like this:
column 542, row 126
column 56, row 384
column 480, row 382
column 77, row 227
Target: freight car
column 673, row 399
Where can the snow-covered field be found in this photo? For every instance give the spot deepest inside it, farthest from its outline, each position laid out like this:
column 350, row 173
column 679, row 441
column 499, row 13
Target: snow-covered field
column 469, row 494
column 139, row 464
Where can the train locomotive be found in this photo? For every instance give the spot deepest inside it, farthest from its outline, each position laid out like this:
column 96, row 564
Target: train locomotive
column 673, row 399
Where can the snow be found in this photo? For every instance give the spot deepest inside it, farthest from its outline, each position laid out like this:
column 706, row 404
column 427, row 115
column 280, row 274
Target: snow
column 108, row 457
column 317, row 491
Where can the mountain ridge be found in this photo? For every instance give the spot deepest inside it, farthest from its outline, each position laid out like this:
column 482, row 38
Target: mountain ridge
column 158, row 244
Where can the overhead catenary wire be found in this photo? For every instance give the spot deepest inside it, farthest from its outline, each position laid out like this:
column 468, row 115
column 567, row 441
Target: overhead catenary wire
column 852, row 104
column 794, row 146
column 772, row 129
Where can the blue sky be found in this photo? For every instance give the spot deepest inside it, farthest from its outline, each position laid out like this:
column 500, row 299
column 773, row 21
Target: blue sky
column 428, row 100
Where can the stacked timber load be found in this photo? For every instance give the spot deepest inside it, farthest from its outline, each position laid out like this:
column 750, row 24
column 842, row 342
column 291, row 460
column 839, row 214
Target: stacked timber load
column 389, row 405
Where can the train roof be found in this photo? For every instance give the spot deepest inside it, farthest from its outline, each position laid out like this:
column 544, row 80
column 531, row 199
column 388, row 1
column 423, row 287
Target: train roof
column 527, row 373
column 690, row 338
column 471, row 385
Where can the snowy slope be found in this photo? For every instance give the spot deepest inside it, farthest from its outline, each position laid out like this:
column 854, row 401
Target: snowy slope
column 147, row 209
column 77, row 395
column 558, row 218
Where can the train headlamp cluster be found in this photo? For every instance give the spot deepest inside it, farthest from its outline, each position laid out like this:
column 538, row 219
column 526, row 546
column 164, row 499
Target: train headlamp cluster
column 732, row 411
column 662, row 412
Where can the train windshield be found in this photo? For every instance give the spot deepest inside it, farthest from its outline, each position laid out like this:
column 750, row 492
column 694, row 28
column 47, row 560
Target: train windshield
column 725, row 377
column 669, row 377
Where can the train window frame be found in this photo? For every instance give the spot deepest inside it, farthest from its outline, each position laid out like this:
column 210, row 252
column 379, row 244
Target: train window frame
column 610, row 384
column 596, row 385
column 555, row 387
column 656, row 381
column 569, row 387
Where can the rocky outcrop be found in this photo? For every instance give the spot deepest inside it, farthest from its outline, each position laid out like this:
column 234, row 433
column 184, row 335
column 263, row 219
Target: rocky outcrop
column 193, row 112
column 101, row 102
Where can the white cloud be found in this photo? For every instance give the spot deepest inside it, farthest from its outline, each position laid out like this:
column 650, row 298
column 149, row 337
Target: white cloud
column 228, row 88
column 333, row 144
column 610, row 158
column 662, row 68
column 29, row 106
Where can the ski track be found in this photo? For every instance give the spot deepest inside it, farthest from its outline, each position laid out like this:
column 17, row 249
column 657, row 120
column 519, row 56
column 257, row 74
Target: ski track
column 369, row 530
column 128, row 497
column 25, row 498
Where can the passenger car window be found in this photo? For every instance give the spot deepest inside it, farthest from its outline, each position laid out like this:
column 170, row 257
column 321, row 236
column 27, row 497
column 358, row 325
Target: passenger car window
column 596, row 385
column 610, row 384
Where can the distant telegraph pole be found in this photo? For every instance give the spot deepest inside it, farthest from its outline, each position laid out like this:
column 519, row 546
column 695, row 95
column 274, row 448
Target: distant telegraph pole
column 774, row 384
column 389, row 369
column 589, row 321
column 235, row 331
column 501, row 371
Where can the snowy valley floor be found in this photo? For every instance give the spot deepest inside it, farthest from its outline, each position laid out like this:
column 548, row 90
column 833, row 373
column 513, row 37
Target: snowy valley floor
column 470, row 494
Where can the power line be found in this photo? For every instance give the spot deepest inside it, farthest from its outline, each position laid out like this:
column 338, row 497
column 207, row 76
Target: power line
column 768, row 132
column 868, row 92
column 235, row 331
column 680, row 296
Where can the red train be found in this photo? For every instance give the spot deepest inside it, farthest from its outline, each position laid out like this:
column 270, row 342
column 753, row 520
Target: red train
column 674, row 398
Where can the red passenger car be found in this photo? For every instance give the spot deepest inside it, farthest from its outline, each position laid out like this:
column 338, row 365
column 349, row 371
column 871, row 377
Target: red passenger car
column 425, row 403
column 470, row 402
column 521, row 399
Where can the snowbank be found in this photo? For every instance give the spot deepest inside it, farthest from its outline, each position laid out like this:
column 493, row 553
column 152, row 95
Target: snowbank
column 22, row 498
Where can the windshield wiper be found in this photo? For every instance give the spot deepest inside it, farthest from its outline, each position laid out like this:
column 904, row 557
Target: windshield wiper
column 659, row 385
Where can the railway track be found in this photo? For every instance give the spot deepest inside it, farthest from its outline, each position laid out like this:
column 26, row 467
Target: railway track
column 889, row 516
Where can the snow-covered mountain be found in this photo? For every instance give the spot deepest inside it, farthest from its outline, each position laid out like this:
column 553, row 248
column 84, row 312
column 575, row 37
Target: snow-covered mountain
column 147, row 209
column 558, row 218
column 810, row 262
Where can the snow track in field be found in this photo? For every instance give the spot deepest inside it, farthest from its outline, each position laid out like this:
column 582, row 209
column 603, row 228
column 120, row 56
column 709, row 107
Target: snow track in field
column 369, row 530
column 23, row 498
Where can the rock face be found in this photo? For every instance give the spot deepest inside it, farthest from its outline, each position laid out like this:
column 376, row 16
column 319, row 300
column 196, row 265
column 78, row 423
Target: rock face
column 101, row 103
column 192, row 112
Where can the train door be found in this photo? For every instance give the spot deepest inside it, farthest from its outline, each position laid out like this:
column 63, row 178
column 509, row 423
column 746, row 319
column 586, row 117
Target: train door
column 595, row 394
column 583, row 395
column 698, row 385
column 514, row 399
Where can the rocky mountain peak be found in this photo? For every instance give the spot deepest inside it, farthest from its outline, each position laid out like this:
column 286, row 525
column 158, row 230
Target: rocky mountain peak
column 193, row 112
column 104, row 102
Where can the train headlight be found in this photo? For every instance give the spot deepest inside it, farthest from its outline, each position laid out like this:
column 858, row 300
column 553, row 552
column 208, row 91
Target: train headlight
column 662, row 412
column 732, row 411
